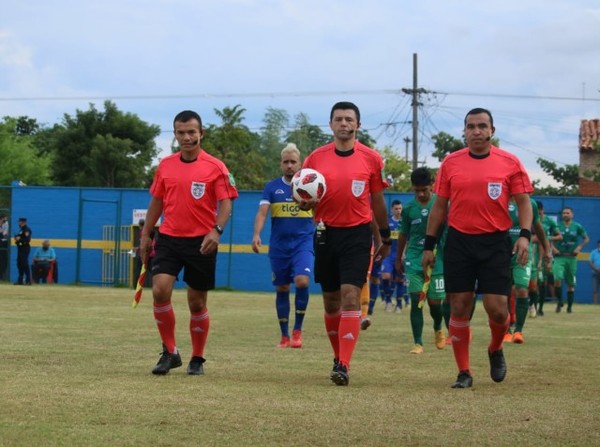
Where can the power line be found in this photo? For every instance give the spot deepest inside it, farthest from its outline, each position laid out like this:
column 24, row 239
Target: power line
column 286, row 94
column 514, row 96
column 204, row 95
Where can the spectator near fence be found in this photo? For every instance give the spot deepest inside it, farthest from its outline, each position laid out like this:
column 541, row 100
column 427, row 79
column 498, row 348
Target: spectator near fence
column 3, row 247
column 44, row 260
column 595, row 265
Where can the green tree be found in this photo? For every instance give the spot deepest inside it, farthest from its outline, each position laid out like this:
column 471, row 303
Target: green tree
column 234, row 144
column 445, row 144
column 20, row 159
column 396, row 169
column 272, row 139
column 106, row 148
column 23, row 125
column 365, row 138
column 306, row 136
column 567, row 178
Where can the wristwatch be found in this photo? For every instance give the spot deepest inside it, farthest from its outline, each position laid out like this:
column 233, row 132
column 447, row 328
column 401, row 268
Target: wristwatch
column 219, row 228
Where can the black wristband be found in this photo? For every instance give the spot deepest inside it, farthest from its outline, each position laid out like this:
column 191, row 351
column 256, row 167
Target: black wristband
column 219, row 228
column 525, row 233
column 385, row 233
column 430, row 242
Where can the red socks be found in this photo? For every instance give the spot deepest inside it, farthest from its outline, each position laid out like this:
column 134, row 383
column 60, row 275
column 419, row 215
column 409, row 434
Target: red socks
column 348, row 334
column 498, row 331
column 332, row 323
column 165, row 321
column 199, row 325
column 460, row 333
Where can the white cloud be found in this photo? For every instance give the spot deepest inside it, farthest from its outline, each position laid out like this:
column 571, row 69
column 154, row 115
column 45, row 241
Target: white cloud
column 190, row 47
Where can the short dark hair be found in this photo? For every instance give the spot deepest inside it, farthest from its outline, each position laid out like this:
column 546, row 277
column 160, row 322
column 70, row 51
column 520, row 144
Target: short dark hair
column 396, row 202
column 540, row 204
column 345, row 105
column 187, row 115
column 477, row 111
column 421, row 177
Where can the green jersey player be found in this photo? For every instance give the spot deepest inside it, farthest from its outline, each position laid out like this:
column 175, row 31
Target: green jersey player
column 413, row 229
column 574, row 238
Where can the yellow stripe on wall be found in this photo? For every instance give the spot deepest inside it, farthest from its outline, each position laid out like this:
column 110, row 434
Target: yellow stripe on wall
column 127, row 245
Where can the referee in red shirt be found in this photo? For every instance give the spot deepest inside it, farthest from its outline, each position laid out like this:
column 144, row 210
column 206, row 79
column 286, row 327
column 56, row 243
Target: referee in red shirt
column 355, row 185
column 473, row 188
column 193, row 191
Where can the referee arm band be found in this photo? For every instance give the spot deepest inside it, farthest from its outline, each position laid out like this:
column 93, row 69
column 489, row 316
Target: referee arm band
column 385, row 233
column 430, row 242
column 525, row 233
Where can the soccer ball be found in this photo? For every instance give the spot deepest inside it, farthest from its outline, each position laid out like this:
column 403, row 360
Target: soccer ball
column 308, row 184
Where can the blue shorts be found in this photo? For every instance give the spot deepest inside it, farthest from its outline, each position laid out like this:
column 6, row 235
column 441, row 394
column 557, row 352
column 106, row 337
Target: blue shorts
column 286, row 269
column 376, row 270
column 388, row 265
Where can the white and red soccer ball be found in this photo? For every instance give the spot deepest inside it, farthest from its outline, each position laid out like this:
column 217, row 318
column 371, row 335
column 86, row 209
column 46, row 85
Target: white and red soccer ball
column 308, row 184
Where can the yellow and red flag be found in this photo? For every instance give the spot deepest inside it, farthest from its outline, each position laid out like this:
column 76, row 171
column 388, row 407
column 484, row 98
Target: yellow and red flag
column 140, row 287
column 425, row 288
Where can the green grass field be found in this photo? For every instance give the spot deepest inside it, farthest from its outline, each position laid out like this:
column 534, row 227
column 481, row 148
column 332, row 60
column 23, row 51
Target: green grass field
column 75, row 371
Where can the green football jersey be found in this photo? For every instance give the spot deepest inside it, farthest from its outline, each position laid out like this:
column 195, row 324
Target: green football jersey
column 549, row 225
column 414, row 226
column 571, row 235
column 513, row 210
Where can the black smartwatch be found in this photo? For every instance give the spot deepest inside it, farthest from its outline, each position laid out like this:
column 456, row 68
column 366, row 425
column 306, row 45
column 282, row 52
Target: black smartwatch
column 219, row 228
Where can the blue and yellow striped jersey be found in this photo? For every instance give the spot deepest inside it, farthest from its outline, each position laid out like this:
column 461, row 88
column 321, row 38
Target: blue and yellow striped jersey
column 291, row 228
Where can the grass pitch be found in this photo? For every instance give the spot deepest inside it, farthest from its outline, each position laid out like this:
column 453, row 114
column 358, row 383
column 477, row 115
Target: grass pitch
column 76, row 361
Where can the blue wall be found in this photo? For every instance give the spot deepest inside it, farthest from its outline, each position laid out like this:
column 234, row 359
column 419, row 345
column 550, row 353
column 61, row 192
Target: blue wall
column 54, row 213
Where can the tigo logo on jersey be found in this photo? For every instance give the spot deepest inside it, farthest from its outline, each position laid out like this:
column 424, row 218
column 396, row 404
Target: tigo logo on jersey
column 198, row 190
column 494, row 190
column 358, row 187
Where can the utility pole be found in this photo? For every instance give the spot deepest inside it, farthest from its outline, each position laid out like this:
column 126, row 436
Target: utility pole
column 415, row 92
column 406, row 140
column 415, row 120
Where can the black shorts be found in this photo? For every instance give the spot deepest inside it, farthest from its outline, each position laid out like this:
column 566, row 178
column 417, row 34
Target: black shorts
column 344, row 258
column 482, row 259
column 174, row 253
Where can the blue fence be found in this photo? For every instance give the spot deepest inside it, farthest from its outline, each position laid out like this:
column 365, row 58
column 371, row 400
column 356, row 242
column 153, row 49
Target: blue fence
column 75, row 221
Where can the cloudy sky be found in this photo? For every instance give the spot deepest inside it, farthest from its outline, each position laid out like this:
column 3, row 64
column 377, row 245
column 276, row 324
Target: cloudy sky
column 535, row 64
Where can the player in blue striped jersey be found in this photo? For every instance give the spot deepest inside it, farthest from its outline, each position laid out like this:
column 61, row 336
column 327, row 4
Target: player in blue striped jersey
column 290, row 246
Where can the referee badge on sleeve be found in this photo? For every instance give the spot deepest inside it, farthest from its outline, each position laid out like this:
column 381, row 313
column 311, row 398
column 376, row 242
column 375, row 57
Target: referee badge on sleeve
column 494, row 190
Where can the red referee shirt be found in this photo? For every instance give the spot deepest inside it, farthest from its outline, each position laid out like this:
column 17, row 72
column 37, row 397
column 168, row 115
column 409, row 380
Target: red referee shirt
column 350, row 181
column 190, row 192
column 479, row 189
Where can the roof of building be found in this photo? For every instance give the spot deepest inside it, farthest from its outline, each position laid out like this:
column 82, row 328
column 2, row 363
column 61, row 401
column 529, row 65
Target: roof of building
column 589, row 134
